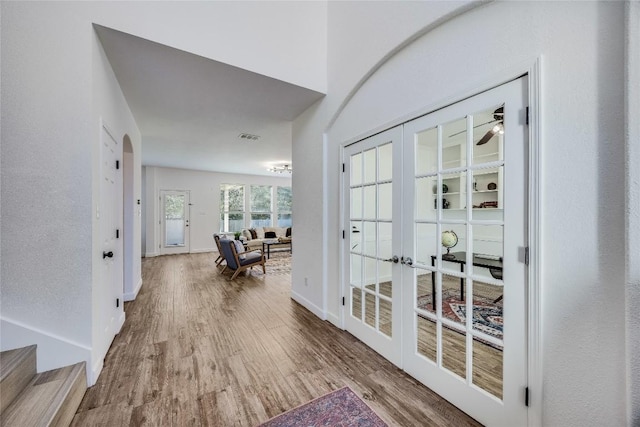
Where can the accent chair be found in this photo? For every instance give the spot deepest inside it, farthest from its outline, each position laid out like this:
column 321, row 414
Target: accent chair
column 239, row 261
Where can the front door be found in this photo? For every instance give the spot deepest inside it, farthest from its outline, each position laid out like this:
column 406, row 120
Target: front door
column 175, row 221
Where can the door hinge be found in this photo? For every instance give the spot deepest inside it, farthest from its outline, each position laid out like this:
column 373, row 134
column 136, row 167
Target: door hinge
column 342, row 300
column 117, row 233
column 526, row 255
column 526, row 119
column 117, row 164
column 343, row 234
column 523, row 254
column 117, row 302
column 343, row 167
column 526, row 396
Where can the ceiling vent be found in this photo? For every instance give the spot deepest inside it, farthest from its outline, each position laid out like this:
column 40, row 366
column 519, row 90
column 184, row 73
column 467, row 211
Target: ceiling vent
column 249, row 137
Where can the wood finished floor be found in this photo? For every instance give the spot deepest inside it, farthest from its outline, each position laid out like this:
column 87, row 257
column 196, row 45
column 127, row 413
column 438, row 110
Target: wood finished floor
column 197, row 349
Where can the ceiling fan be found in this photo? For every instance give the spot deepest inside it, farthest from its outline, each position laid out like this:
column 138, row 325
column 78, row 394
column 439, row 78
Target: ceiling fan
column 498, row 116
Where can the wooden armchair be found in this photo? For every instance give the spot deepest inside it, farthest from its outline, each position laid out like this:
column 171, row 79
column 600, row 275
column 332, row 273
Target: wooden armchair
column 216, row 238
column 240, row 261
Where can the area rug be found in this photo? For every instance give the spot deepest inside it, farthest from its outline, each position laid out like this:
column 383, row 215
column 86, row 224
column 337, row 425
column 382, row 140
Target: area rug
column 487, row 315
column 340, row 408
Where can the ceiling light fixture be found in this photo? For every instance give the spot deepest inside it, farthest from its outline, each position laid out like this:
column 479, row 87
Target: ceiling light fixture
column 249, row 136
column 281, row 169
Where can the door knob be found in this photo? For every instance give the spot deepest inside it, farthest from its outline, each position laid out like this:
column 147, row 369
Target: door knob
column 394, row 259
column 408, row 261
column 107, row 255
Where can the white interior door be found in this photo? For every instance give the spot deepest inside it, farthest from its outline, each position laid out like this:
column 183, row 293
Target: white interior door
column 372, row 207
column 109, row 294
column 464, row 304
column 174, row 221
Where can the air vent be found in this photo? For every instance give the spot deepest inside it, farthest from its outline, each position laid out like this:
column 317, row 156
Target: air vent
column 248, row 137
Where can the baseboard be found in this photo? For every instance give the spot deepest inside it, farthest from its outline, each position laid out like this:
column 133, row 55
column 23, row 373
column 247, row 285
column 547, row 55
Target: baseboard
column 308, row 305
column 335, row 320
column 131, row 296
column 203, row 250
column 151, row 254
column 53, row 351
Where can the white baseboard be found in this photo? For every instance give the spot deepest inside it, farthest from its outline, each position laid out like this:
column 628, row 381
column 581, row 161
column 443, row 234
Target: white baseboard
column 203, row 250
column 130, row 296
column 151, row 254
column 53, row 351
column 335, row 320
column 308, row 305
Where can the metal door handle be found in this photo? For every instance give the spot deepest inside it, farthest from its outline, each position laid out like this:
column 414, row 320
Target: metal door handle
column 394, row 259
column 408, row 261
column 107, row 255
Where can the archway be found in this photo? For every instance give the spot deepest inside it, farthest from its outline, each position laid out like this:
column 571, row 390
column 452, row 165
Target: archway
column 128, row 206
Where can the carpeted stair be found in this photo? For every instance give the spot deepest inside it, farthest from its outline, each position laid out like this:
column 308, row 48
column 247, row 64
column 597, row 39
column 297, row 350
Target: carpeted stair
column 46, row 399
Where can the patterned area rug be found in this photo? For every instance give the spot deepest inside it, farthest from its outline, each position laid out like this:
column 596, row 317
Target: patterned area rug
column 279, row 263
column 487, row 315
column 340, row 408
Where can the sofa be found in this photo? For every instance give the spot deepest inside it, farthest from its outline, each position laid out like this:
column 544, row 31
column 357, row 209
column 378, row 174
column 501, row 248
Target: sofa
column 254, row 237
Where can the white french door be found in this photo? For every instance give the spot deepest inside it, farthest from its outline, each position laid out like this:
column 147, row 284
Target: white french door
column 175, row 221
column 372, row 221
column 459, row 230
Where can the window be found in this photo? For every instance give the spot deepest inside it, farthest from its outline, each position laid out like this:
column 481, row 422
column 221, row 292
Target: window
column 261, row 207
column 231, row 207
column 284, row 206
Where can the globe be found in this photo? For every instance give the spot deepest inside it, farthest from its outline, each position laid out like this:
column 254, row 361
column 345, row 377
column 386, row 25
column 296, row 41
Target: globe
column 449, row 239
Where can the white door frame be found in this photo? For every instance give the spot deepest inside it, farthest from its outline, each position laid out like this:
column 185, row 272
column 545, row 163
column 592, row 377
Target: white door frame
column 532, row 68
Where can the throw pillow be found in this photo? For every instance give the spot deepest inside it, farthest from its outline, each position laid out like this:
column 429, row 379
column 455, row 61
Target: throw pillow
column 288, row 234
column 269, row 234
column 260, row 232
column 253, row 233
column 239, row 249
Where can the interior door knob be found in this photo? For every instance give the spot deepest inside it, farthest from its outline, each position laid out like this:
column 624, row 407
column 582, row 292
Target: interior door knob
column 394, row 259
column 107, row 255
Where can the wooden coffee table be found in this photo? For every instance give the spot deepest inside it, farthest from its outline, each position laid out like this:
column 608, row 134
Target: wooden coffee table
column 267, row 243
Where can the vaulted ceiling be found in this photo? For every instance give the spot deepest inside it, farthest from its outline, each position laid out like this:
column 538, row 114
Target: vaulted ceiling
column 192, row 110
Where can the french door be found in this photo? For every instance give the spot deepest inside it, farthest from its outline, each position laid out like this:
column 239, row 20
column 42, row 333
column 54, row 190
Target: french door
column 458, row 225
column 175, row 221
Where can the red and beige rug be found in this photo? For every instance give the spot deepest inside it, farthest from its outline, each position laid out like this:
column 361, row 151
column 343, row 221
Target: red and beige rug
column 340, row 408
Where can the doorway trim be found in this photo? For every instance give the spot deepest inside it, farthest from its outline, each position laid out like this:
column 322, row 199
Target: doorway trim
column 532, row 68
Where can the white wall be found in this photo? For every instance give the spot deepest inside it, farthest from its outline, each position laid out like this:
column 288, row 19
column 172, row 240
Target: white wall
column 204, row 195
column 582, row 144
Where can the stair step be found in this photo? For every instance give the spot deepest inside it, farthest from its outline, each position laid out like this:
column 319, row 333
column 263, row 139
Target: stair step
column 50, row 399
column 17, row 369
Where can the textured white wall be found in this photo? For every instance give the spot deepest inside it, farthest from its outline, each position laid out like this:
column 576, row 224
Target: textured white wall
column 204, row 188
column 582, row 281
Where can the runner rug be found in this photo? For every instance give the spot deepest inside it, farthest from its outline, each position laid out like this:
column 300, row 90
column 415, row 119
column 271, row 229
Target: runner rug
column 340, row 408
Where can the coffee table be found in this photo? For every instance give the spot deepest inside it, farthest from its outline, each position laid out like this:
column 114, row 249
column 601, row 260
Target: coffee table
column 267, row 243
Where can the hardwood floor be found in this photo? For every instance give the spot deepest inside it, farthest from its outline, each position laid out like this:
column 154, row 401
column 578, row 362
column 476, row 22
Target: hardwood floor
column 198, row 349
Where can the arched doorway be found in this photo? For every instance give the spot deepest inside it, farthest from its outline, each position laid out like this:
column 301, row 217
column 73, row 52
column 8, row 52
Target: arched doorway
column 128, row 207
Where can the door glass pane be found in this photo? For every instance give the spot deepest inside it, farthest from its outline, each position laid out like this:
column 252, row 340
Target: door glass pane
column 426, row 337
column 425, row 288
column 487, row 194
column 426, row 151
column 370, row 274
column 356, row 203
column 385, row 316
column 454, row 307
column 487, row 135
column 370, row 206
column 425, row 198
column 369, row 238
column 385, row 250
column 370, row 309
column 426, row 244
column 386, row 283
column 355, row 245
column 454, row 144
column 356, row 169
column 454, row 244
column 356, row 270
column 385, row 201
column 356, row 303
column 454, row 354
column 385, row 161
column 174, row 212
column 487, row 367
column 487, row 312
column 370, row 166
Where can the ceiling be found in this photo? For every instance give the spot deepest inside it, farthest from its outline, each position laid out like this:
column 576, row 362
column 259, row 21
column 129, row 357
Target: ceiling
column 191, row 110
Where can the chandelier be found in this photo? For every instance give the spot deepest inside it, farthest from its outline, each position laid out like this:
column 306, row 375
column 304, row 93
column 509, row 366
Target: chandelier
column 281, row 169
